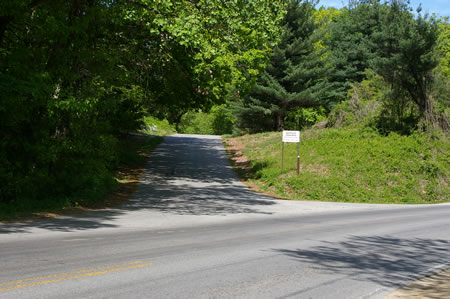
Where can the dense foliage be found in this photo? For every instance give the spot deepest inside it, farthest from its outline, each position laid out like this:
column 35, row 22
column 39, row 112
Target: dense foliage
column 78, row 75
column 295, row 78
column 75, row 75
column 218, row 121
column 323, row 55
column 388, row 89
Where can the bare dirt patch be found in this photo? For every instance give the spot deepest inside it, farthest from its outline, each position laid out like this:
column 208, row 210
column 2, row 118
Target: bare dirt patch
column 234, row 149
column 242, row 166
column 434, row 286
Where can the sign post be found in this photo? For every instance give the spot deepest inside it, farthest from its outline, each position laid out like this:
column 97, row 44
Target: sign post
column 298, row 157
column 291, row 136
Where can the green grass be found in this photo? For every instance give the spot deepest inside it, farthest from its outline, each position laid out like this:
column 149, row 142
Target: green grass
column 157, row 127
column 132, row 153
column 352, row 165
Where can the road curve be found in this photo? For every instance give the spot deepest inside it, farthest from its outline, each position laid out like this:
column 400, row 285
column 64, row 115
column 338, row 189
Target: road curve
column 193, row 230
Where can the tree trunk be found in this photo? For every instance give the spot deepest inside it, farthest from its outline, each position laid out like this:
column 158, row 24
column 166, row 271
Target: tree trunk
column 429, row 115
column 280, row 121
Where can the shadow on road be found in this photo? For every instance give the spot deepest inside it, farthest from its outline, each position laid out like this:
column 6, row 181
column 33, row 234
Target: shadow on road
column 187, row 200
column 192, row 158
column 386, row 260
column 88, row 221
column 186, row 175
column 192, row 176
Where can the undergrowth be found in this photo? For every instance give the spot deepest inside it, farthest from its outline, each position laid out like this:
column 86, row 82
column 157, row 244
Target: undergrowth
column 353, row 165
column 154, row 126
column 131, row 153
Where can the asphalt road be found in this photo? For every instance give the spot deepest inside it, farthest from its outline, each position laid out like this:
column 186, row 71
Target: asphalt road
column 194, row 231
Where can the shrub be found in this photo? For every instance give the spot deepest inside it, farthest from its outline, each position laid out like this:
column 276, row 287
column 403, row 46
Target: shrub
column 154, row 126
column 218, row 121
column 305, row 117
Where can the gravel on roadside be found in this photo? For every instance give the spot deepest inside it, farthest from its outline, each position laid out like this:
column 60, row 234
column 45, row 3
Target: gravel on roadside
column 433, row 286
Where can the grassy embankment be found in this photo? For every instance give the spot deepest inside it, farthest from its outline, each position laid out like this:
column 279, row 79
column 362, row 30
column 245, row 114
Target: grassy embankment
column 132, row 155
column 347, row 165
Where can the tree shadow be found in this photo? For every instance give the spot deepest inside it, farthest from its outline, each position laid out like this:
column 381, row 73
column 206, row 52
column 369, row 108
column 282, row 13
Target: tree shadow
column 194, row 158
column 87, row 221
column 203, row 200
column 186, row 175
column 388, row 261
column 191, row 176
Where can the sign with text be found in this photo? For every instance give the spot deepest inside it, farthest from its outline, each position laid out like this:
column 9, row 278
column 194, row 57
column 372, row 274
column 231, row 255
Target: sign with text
column 291, row 136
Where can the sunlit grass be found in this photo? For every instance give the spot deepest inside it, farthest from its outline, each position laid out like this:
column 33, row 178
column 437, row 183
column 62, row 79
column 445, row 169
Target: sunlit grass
column 352, row 165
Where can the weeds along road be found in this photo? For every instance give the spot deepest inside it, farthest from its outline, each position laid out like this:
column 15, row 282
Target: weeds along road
column 194, row 231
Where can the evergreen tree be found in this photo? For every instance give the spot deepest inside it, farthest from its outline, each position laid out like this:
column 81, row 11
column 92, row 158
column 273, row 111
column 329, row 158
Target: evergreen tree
column 295, row 77
column 405, row 48
column 390, row 40
column 349, row 43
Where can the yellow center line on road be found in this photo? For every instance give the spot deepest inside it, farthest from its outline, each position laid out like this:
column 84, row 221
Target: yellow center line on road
column 67, row 273
column 73, row 277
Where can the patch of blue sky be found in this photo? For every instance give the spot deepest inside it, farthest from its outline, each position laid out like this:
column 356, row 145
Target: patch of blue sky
column 438, row 7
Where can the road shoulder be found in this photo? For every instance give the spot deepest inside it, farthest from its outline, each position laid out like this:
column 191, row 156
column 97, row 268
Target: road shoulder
column 433, row 286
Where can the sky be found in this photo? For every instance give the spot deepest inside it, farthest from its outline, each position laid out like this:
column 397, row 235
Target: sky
column 440, row 7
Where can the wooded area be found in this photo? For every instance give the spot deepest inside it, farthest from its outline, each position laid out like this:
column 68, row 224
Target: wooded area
column 77, row 75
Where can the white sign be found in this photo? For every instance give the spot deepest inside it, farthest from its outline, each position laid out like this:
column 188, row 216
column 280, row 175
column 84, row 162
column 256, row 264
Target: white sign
column 291, row 136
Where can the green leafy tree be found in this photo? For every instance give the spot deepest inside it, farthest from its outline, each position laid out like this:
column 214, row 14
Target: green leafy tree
column 295, row 77
column 405, row 56
column 400, row 47
column 78, row 74
column 198, row 49
column 444, row 46
column 441, row 88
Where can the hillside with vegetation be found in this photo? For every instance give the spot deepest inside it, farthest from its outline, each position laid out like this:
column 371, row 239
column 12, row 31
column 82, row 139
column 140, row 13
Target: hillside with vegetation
column 78, row 76
column 346, row 165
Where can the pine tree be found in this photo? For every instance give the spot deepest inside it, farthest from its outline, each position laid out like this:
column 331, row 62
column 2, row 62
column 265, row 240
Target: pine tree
column 405, row 56
column 390, row 40
column 295, row 77
column 349, row 43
